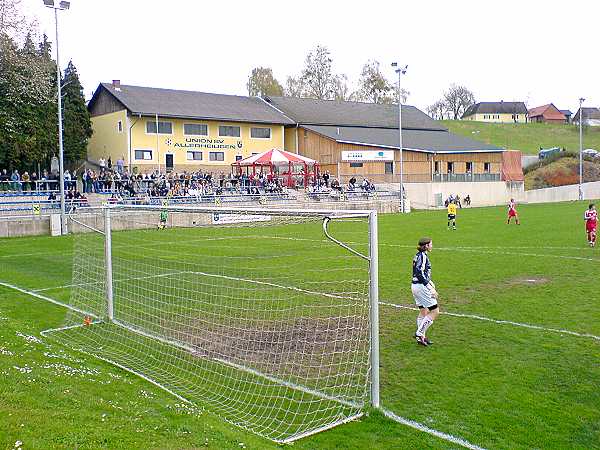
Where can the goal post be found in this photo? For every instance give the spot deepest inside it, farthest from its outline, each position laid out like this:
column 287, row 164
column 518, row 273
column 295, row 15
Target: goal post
column 266, row 317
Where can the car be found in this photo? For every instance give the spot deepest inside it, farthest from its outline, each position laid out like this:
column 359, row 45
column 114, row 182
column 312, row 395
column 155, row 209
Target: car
column 590, row 152
column 546, row 152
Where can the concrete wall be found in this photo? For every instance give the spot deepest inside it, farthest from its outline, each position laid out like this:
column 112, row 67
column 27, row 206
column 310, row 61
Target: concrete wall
column 425, row 195
column 563, row 193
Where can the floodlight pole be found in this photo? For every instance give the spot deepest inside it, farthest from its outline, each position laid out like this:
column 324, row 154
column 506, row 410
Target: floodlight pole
column 400, row 71
column 581, row 100
column 63, row 218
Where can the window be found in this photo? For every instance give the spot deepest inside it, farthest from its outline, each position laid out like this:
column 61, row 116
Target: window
column 194, row 156
column 143, row 154
column 238, row 157
column 216, row 156
column 487, row 167
column 450, row 167
column 260, row 133
column 356, row 164
column 163, row 127
column 229, row 131
column 389, row 168
column 195, row 129
column 469, row 167
column 120, row 126
column 436, row 167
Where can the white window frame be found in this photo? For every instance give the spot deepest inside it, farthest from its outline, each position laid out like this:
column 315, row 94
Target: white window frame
column 160, row 134
column 192, row 158
column 224, row 125
column 262, row 128
column 216, row 160
column 145, row 151
column 189, row 123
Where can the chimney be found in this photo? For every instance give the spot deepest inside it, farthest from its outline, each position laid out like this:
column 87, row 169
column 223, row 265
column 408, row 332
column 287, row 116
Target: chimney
column 116, row 84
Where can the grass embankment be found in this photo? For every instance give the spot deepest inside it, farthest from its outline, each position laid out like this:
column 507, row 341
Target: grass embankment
column 561, row 170
column 528, row 137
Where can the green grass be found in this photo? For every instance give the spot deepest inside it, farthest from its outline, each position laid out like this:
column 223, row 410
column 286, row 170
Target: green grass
column 527, row 138
column 495, row 385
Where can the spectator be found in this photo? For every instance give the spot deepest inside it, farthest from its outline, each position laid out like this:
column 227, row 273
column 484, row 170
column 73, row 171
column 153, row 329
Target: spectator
column 4, row 180
column 457, row 201
column 468, row 200
column 25, row 181
column 52, row 196
column 109, row 163
column 120, row 164
column 15, row 179
column 102, row 164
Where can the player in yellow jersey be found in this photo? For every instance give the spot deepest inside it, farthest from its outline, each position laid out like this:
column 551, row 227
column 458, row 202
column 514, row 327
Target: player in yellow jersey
column 452, row 215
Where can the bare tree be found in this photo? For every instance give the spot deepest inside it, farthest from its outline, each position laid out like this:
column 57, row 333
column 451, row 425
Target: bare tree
column 457, row 100
column 438, row 110
column 341, row 89
column 261, row 82
column 293, row 87
column 317, row 77
column 373, row 87
column 14, row 23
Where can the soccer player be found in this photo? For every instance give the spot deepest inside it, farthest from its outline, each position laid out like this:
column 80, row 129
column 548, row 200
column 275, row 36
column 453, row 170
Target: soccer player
column 424, row 292
column 452, row 215
column 591, row 220
column 512, row 212
column 164, row 215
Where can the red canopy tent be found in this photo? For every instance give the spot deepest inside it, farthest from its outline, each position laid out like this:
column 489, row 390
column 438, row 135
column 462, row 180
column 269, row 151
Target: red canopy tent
column 296, row 165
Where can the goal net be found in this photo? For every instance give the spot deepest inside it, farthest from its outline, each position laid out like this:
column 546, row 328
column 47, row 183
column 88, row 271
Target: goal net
column 263, row 317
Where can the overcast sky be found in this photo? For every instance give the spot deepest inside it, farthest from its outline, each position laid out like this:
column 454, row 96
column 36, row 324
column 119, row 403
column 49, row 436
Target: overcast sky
column 536, row 51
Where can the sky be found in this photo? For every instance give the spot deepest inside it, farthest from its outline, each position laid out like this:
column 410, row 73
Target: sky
column 536, row 51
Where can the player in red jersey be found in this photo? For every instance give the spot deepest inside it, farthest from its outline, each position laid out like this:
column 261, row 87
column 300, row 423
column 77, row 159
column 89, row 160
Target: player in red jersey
column 512, row 212
column 591, row 221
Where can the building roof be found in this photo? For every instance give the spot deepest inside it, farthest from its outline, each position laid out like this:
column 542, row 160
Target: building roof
column 566, row 112
column 496, row 108
column 439, row 141
column 588, row 113
column 193, row 105
column 549, row 112
column 330, row 112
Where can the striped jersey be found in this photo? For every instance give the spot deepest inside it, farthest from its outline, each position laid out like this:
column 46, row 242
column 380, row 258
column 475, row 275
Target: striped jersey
column 512, row 206
column 591, row 216
column 421, row 269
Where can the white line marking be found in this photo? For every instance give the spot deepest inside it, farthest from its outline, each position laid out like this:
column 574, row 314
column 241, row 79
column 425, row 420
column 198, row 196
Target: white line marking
column 48, row 299
column 426, row 429
column 503, row 322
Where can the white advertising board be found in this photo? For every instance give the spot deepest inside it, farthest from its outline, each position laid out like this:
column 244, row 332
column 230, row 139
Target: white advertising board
column 224, row 218
column 368, row 155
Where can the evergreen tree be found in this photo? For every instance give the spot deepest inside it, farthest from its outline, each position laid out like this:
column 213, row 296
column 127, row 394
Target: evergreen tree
column 77, row 126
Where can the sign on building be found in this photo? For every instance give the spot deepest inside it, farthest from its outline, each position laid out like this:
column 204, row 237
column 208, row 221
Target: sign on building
column 368, row 155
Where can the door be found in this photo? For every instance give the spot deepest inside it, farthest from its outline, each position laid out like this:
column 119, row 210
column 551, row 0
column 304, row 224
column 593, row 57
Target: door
column 169, row 162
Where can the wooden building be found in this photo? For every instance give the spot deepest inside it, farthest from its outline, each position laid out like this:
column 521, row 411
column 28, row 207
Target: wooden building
column 362, row 140
column 547, row 114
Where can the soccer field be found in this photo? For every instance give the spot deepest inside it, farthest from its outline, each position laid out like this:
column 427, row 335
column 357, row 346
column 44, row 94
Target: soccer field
column 515, row 361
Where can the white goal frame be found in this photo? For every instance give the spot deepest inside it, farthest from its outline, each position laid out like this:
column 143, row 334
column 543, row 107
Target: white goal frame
column 371, row 215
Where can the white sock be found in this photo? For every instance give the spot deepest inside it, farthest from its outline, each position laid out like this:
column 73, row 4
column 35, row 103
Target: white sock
column 425, row 324
column 419, row 320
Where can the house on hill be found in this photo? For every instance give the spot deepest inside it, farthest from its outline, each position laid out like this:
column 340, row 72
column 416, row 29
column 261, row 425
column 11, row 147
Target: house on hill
column 591, row 117
column 568, row 114
column 546, row 114
column 499, row 112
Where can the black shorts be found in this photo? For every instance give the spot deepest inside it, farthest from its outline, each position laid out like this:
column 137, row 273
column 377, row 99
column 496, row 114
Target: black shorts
column 451, row 216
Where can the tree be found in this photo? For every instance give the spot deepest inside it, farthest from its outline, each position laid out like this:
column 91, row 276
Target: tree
column 341, row 89
column 457, row 100
column 76, row 118
column 438, row 110
column 373, row 87
column 293, row 87
column 317, row 77
column 261, row 82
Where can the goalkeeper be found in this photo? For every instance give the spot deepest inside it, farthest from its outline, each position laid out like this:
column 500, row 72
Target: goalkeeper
column 423, row 291
column 164, row 215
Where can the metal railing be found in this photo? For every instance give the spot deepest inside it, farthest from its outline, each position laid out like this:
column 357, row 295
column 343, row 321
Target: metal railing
column 32, row 187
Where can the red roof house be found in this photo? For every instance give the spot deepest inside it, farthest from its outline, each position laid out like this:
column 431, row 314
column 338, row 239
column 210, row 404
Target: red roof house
column 547, row 113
